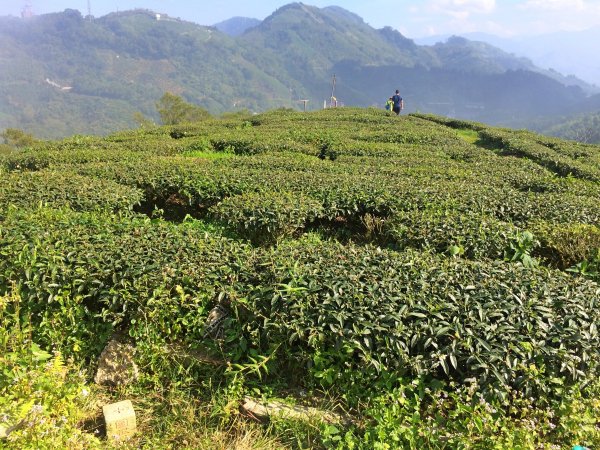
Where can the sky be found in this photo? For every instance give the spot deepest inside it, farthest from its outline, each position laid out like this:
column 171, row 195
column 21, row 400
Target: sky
column 414, row 18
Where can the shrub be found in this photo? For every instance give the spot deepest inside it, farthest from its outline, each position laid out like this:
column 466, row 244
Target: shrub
column 42, row 396
column 565, row 245
column 350, row 310
column 450, row 230
column 267, row 217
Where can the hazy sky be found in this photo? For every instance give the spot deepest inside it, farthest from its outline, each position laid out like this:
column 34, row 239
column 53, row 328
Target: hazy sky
column 414, row 18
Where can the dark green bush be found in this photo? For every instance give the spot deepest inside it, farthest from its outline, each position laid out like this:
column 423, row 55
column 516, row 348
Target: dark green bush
column 446, row 230
column 80, row 275
column 66, row 189
column 267, row 217
column 346, row 310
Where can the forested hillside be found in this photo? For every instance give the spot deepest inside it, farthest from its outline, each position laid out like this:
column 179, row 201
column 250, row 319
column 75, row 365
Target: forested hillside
column 64, row 74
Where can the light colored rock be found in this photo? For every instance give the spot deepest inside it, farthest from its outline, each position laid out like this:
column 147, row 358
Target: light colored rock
column 116, row 365
column 5, row 431
column 274, row 409
column 120, row 420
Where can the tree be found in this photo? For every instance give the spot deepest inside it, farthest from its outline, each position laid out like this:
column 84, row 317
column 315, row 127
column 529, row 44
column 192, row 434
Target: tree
column 16, row 138
column 174, row 110
column 142, row 120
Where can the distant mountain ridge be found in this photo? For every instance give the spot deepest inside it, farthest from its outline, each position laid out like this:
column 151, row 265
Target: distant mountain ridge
column 123, row 62
column 573, row 53
column 236, row 25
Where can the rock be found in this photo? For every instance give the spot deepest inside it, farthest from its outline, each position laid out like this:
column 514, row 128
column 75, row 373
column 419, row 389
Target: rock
column 116, row 365
column 264, row 411
column 214, row 327
column 120, row 420
column 5, row 431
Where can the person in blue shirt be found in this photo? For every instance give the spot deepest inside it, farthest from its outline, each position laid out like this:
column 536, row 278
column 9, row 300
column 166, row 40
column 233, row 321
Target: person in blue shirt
column 398, row 102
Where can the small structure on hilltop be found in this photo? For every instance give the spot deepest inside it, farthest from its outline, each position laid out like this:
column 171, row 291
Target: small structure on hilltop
column 27, row 11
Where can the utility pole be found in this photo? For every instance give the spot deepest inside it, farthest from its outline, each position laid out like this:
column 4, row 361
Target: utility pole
column 305, row 102
column 333, row 100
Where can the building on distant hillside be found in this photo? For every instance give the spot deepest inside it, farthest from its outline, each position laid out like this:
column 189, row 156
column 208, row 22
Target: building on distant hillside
column 27, row 11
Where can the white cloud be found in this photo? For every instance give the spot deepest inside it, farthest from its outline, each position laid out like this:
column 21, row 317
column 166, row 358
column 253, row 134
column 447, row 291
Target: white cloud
column 562, row 14
column 556, row 5
column 462, row 9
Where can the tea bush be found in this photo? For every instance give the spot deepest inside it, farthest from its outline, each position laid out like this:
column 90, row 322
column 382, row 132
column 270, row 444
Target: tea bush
column 265, row 217
column 370, row 310
column 81, row 275
column 66, row 189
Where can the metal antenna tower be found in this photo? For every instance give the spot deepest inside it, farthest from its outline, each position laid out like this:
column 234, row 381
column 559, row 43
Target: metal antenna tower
column 89, row 5
column 332, row 99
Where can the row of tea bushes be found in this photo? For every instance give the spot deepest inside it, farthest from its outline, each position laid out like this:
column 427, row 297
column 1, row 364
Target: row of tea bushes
column 343, row 310
column 510, row 143
column 64, row 188
column 377, row 168
column 437, row 206
column 81, row 274
column 334, row 314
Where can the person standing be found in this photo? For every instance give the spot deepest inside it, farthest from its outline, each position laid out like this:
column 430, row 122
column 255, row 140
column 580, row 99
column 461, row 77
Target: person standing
column 398, row 102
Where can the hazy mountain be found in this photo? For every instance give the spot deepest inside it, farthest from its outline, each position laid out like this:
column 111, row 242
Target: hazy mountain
column 236, row 25
column 567, row 52
column 63, row 74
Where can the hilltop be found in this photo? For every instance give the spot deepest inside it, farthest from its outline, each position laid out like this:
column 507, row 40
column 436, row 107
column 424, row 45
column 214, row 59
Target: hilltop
column 63, row 74
column 423, row 282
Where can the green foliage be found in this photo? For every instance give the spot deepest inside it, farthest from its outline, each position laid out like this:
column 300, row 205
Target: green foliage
column 546, row 154
column 451, row 230
column 265, row 217
column 415, row 314
column 584, row 128
column 521, row 248
column 63, row 188
column 568, row 244
column 42, row 396
column 418, row 414
column 393, row 261
column 142, row 121
column 17, row 138
column 174, row 110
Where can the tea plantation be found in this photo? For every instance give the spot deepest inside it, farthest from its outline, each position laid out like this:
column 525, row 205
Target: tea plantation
column 435, row 281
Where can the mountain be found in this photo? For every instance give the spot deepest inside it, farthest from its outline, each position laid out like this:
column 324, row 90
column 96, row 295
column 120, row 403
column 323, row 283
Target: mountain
column 572, row 53
column 236, row 25
column 65, row 74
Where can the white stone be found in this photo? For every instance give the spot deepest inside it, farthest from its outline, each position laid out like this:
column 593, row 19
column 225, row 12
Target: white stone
column 120, row 420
